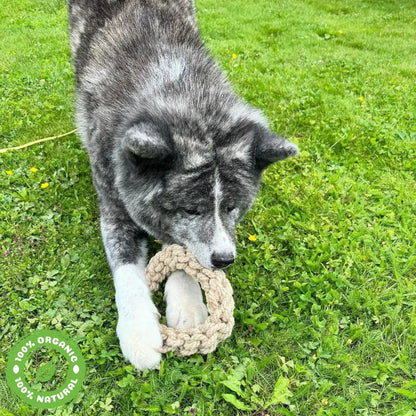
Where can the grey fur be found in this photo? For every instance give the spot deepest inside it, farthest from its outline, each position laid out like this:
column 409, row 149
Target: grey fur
column 175, row 154
column 158, row 119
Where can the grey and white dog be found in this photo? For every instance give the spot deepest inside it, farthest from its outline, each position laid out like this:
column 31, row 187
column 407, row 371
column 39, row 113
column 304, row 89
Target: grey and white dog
column 175, row 154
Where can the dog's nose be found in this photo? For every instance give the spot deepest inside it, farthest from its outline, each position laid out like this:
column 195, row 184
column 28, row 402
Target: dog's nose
column 221, row 260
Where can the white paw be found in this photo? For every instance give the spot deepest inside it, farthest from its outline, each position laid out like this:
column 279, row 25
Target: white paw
column 138, row 325
column 140, row 339
column 185, row 308
column 185, row 314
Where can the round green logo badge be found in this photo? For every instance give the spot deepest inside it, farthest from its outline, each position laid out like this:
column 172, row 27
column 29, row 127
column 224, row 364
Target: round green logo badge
column 45, row 369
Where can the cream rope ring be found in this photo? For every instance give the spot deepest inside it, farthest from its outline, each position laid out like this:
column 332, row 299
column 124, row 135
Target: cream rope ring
column 219, row 297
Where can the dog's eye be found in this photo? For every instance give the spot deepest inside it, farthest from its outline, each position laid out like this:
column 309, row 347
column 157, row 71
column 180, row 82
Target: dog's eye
column 192, row 212
column 229, row 209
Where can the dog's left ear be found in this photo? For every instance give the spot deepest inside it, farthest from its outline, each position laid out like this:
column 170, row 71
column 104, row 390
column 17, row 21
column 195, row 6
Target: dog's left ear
column 270, row 147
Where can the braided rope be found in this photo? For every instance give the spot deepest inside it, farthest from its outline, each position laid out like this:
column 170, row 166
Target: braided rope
column 218, row 293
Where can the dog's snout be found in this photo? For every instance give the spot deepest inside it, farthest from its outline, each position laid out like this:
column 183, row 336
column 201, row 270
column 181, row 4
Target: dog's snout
column 221, row 260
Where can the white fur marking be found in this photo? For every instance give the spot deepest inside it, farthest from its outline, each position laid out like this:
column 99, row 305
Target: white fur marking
column 168, row 69
column 240, row 151
column 175, row 68
column 222, row 243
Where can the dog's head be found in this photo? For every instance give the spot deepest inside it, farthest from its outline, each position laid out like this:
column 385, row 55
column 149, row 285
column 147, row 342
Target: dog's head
column 190, row 183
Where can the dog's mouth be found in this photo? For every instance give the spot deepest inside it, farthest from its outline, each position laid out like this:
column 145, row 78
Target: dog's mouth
column 204, row 256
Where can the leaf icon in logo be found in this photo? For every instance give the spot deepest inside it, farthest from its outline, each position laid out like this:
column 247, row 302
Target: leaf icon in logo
column 46, row 371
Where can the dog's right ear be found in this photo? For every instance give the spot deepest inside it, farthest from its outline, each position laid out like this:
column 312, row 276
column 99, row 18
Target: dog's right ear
column 148, row 142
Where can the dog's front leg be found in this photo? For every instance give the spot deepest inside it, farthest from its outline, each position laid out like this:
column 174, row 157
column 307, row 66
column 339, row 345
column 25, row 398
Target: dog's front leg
column 185, row 307
column 137, row 326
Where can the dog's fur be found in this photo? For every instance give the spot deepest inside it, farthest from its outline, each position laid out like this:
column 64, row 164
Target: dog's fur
column 175, row 154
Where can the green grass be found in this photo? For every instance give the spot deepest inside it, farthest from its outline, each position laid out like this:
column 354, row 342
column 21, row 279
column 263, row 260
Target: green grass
column 325, row 298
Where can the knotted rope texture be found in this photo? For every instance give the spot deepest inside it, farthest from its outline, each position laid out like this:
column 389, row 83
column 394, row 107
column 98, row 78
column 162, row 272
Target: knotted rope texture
column 219, row 298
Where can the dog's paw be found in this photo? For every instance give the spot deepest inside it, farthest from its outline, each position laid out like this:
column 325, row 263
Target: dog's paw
column 140, row 339
column 184, row 304
column 185, row 314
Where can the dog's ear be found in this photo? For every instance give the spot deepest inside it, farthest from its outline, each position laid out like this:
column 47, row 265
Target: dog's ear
column 148, row 141
column 270, row 147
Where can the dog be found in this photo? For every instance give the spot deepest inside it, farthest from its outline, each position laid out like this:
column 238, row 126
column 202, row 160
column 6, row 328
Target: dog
column 175, row 154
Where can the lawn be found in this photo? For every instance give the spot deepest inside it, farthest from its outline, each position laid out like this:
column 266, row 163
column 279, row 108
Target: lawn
column 325, row 295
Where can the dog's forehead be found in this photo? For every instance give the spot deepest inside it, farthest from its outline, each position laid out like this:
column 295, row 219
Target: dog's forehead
column 194, row 154
column 201, row 182
column 192, row 151
column 191, row 187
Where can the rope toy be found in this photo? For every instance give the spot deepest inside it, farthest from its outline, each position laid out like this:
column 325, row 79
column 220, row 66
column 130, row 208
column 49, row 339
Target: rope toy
column 219, row 297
